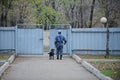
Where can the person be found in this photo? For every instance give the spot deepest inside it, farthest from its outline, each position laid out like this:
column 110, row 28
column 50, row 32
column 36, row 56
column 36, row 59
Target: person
column 60, row 41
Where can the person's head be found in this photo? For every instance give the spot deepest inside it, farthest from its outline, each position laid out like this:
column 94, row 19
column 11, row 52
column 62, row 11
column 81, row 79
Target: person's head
column 59, row 31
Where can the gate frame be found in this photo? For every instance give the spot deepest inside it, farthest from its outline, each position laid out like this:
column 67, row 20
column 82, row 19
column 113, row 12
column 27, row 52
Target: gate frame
column 9, row 50
column 16, row 34
column 62, row 26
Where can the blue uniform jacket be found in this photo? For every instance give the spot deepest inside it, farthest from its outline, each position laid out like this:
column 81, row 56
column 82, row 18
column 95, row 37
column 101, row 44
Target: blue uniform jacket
column 60, row 41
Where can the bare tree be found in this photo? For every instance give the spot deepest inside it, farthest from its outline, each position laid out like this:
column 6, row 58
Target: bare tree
column 81, row 11
column 5, row 6
column 91, row 13
column 111, row 10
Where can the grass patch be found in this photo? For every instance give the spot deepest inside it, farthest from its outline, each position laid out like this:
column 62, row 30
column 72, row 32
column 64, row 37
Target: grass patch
column 106, row 65
column 108, row 72
column 4, row 56
column 99, row 56
column 111, row 69
column 115, row 73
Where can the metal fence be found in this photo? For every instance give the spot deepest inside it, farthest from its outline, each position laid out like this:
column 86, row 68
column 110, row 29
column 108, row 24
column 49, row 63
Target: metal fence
column 7, row 39
column 93, row 40
column 88, row 40
column 22, row 39
column 29, row 40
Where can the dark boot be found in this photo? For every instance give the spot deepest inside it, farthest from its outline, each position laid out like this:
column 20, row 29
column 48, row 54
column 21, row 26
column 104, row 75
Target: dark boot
column 60, row 57
column 57, row 56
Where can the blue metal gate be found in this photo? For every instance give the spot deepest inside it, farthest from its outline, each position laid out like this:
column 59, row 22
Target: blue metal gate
column 29, row 40
column 7, row 39
column 65, row 30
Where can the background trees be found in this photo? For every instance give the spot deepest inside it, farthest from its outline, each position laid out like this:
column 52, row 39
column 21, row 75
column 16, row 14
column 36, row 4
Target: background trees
column 5, row 6
column 111, row 9
column 79, row 13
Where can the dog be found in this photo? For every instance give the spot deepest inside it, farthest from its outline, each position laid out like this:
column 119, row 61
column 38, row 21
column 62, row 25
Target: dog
column 51, row 54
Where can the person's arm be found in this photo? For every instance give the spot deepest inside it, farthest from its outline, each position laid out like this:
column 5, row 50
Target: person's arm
column 65, row 41
column 55, row 41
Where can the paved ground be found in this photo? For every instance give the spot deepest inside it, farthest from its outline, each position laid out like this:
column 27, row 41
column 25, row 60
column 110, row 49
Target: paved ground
column 41, row 68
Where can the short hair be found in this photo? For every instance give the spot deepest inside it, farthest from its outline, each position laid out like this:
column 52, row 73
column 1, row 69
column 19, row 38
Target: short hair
column 59, row 32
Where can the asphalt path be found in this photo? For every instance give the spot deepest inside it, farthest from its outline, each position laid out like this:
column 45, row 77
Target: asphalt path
column 41, row 68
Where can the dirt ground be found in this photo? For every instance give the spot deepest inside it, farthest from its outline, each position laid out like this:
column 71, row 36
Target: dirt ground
column 102, row 64
column 111, row 69
column 1, row 64
column 4, row 56
column 98, row 56
column 108, row 66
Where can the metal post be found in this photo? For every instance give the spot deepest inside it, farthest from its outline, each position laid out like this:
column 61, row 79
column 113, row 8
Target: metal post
column 104, row 21
column 16, row 34
column 70, row 43
column 107, row 43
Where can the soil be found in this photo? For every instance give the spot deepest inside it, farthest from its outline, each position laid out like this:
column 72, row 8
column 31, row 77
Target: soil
column 111, row 68
column 99, row 57
column 103, row 66
column 1, row 63
column 106, row 65
column 4, row 56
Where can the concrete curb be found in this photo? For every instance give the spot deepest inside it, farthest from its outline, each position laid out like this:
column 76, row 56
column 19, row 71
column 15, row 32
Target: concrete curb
column 6, row 65
column 77, row 58
column 90, row 68
column 11, row 59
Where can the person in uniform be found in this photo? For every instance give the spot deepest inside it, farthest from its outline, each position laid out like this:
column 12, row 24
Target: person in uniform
column 60, row 41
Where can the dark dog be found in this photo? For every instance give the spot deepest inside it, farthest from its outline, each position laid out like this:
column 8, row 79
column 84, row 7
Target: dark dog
column 51, row 54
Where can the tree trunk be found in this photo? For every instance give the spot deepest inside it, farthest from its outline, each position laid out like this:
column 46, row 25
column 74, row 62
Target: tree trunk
column 2, row 20
column 2, row 15
column 72, row 16
column 45, row 24
column 81, row 10
column 53, row 6
column 5, row 9
column 72, row 23
column 91, row 13
column 5, row 19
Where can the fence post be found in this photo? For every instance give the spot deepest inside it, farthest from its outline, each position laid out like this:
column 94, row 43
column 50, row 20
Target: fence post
column 16, row 34
column 70, row 32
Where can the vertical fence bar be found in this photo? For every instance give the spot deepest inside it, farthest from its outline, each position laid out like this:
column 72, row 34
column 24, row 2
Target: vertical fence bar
column 70, row 41
column 16, row 33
